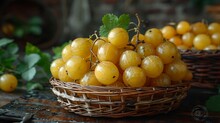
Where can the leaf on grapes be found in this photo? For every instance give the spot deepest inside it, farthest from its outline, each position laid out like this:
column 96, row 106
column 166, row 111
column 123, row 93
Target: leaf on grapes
column 111, row 21
column 31, row 59
column 29, row 74
column 5, row 41
column 213, row 102
column 124, row 21
column 34, row 86
column 12, row 48
column 30, row 48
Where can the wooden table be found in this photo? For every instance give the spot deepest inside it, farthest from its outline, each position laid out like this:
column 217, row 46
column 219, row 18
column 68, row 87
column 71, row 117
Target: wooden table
column 41, row 106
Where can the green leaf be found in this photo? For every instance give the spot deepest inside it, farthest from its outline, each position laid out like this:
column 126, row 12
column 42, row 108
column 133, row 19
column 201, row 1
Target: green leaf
column 30, row 48
column 124, row 21
column 57, row 50
column 8, row 62
column 35, row 21
column 5, row 41
column 34, row 86
column 21, row 67
column 19, row 32
column 29, row 74
column 1, row 70
column 111, row 21
column 12, row 48
column 45, row 62
column 31, row 59
column 213, row 102
column 35, row 30
column 103, row 31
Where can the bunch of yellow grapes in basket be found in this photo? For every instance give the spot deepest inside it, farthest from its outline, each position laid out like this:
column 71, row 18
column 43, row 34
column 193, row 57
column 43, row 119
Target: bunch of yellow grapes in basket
column 198, row 35
column 120, row 61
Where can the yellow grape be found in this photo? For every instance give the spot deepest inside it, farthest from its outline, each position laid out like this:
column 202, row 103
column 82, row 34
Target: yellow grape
column 152, row 65
column 129, row 58
column 8, row 82
column 154, row 36
column 167, row 52
column 188, row 38
column 106, row 72
column 76, row 67
column 178, row 56
column 90, row 79
column 63, row 75
column 199, row 28
column 182, row 47
column 162, row 80
column 98, row 44
column 67, row 52
column 118, row 37
column 176, row 70
column 117, row 84
column 81, row 47
column 211, row 47
column 108, row 52
column 128, row 47
column 145, row 49
column 201, row 41
column 214, row 28
column 183, row 27
column 215, row 38
column 188, row 76
column 141, row 38
column 176, row 40
column 8, row 29
column 55, row 66
column 134, row 77
column 168, row 32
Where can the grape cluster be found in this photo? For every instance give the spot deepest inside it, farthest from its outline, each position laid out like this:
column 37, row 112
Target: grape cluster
column 198, row 35
column 118, row 61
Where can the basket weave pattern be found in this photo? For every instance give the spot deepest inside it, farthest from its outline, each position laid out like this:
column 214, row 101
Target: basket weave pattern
column 98, row 101
column 205, row 66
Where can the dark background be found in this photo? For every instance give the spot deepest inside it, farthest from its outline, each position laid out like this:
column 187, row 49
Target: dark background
column 63, row 20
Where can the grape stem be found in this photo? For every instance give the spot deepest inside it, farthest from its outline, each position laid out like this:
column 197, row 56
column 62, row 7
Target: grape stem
column 138, row 28
column 130, row 44
column 91, row 50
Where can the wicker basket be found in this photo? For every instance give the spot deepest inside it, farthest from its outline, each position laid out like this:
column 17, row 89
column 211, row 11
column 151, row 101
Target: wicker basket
column 99, row 101
column 205, row 66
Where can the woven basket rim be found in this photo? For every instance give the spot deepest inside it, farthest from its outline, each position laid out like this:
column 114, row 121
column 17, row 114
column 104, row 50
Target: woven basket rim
column 199, row 53
column 54, row 81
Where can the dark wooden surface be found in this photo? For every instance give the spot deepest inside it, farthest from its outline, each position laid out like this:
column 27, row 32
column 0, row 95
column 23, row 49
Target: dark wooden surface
column 41, row 106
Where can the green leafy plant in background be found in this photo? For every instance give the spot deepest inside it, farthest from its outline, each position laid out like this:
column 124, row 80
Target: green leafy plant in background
column 31, row 26
column 213, row 103
column 31, row 67
column 58, row 50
